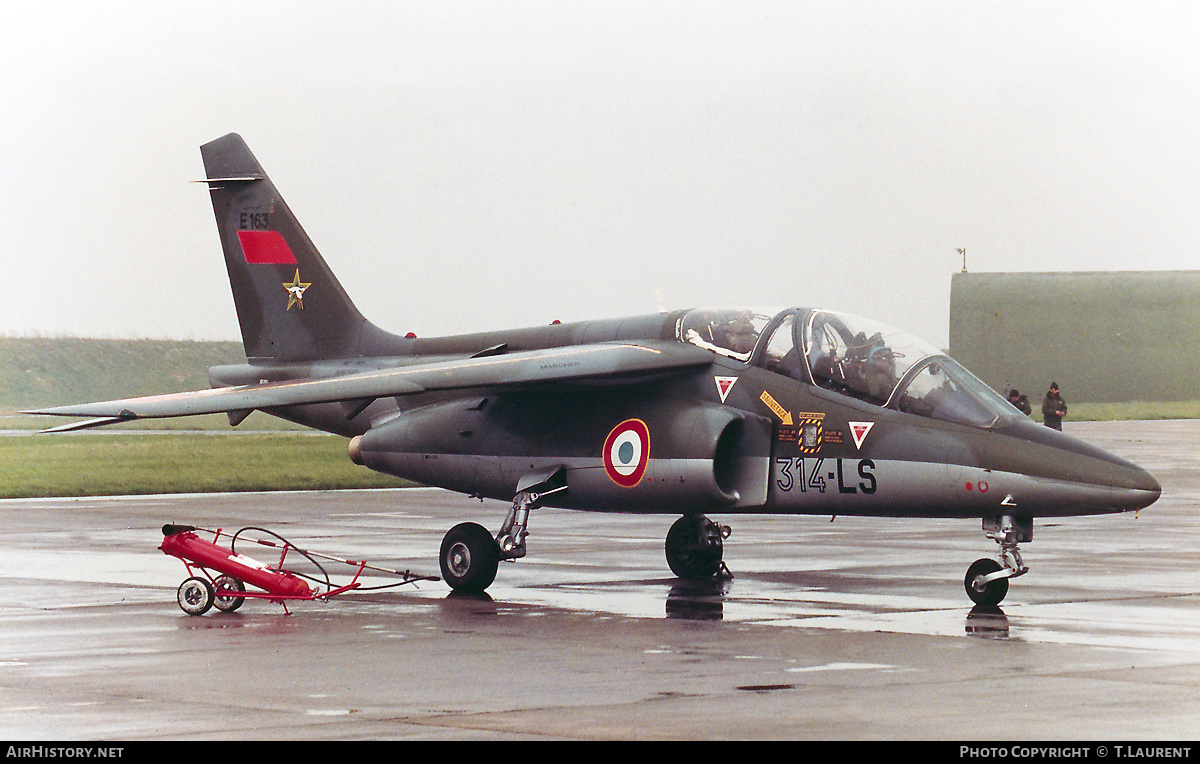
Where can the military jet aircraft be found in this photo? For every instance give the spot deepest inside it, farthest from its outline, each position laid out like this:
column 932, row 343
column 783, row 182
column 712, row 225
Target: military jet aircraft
column 689, row 412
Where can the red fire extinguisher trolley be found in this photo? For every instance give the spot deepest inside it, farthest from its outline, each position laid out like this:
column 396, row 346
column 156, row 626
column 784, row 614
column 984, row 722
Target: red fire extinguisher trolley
column 218, row 576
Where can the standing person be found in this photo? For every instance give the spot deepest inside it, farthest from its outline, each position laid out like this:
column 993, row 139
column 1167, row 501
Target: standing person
column 1054, row 408
column 1020, row 402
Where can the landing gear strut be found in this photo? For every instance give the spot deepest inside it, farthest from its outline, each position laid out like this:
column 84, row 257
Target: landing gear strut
column 470, row 555
column 986, row 581
column 694, row 547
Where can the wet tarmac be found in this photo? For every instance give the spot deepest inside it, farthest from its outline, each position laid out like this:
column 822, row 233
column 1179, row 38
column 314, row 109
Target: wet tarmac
column 852, row 629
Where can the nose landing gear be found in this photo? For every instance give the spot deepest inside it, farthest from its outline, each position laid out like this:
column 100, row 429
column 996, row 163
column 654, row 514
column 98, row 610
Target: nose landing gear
column 694, row 547
column 986, row 581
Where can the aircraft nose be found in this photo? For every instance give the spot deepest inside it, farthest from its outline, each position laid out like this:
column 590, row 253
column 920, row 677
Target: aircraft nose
column 1145, row 484
column 1101, row 485
column 1126, row 486
column 1129, row 486
column 1149, row 483
column 1069, row 476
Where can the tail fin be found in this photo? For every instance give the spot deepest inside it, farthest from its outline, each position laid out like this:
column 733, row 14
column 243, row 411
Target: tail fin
column 289, row 304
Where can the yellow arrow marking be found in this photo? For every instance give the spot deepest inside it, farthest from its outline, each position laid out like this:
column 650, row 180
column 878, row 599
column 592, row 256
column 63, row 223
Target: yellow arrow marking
column 784, row 415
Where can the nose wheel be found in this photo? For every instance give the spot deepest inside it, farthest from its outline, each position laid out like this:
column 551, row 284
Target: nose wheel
column 695, row 547
column 983, row 590
column 986, row 581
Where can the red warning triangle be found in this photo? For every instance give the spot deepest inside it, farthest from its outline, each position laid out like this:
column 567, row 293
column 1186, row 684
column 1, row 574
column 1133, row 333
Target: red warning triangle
column 859, row 430
column 724, row 385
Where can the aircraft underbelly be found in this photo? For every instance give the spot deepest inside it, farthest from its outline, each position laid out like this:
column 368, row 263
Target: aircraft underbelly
column 668, row 486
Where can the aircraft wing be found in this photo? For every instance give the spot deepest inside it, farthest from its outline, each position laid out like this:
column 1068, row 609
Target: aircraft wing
column 598, row 363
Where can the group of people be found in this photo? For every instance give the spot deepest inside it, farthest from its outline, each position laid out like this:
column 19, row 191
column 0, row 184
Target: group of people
column 1054, row 408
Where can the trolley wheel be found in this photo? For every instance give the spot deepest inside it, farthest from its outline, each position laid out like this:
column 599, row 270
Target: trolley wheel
column 229, row 603
column 469, row 558
column 195, row 596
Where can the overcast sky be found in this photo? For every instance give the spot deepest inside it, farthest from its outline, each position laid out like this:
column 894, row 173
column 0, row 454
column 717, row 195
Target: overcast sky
column 475, row 165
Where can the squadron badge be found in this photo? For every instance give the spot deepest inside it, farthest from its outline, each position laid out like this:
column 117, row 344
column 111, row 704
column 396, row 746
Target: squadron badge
column 296, row 289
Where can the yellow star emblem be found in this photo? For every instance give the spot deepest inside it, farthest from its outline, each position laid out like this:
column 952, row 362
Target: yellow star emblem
column 295, row 289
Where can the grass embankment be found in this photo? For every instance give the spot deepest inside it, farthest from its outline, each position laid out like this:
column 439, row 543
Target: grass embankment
column 36, row 372
column 108, row 465
column 39, row 372
column 1112, row 412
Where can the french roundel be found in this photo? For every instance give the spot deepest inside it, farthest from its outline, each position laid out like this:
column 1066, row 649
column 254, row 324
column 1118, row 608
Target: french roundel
column 626, row 452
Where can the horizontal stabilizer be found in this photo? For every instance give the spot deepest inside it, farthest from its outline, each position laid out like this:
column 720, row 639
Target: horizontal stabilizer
column 614, row 363
column 86, row 424
column 237, row 179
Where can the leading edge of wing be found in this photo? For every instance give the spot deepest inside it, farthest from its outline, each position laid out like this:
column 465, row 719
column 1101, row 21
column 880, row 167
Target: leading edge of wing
column 601, row 362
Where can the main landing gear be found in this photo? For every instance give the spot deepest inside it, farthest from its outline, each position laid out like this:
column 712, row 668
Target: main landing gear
column 469, row 558
column 695, row 547
column 470, row 555
column 986, row 581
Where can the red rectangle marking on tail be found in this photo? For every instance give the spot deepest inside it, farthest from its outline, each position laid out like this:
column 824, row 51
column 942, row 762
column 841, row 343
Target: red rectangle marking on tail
column 265, row 248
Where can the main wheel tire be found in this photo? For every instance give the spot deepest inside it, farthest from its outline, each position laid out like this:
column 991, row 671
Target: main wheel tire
column 992, row 593
column 229, row 603
column 195, row 596
column 694, row 548
column 469, row 558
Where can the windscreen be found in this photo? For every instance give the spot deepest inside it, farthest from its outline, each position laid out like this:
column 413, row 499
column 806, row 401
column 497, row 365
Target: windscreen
column 942, row 389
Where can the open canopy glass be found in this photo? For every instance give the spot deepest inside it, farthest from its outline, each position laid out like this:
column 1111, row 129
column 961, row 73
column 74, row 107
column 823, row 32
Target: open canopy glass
column 853, row 356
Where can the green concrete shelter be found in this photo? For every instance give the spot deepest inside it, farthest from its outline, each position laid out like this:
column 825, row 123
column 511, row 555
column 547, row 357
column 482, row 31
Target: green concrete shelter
column 1104, row 336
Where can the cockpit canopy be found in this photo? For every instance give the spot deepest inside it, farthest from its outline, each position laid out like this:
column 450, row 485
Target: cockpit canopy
column 732, row 332
column 852, row 356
